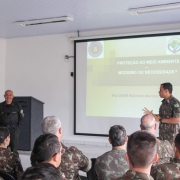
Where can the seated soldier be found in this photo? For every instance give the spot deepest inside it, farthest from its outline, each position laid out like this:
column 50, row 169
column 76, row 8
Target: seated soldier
column 164, row 148
column 47, row 149
column 43, row 171
column 9, row 161
column 171, row 170
column 73, row 159
column 113, row 164
column 141, row 153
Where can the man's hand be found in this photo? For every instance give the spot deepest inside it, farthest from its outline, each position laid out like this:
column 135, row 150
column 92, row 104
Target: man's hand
column 157, row 117
column 146, row 111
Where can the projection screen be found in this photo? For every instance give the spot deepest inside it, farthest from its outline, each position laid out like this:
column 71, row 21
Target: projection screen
column 116, row 78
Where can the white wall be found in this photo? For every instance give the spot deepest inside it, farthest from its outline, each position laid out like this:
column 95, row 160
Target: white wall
column 135, row 30
column 2, row 67
column 35, row 67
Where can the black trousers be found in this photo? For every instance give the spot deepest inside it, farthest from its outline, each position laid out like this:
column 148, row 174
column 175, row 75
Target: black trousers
column 14, row 138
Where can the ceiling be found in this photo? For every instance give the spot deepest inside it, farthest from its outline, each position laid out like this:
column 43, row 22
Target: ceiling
column 88, row 15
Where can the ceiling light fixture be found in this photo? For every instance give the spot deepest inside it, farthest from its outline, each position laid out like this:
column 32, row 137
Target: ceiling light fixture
column 44, row 21
column 148, row 9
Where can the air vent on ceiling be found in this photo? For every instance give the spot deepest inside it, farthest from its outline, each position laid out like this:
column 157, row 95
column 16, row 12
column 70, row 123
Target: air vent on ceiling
column 44, row 21
column 148, row 9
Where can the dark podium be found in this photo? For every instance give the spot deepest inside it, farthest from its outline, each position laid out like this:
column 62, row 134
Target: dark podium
column 30, row 128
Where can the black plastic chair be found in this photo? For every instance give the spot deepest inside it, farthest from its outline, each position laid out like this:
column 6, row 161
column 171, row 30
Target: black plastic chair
column 83, row 178
column 91, row 175
column 6, row 176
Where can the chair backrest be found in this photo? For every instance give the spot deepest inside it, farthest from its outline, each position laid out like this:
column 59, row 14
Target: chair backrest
column 83, row 178
column 91, row 175
column 6, row 176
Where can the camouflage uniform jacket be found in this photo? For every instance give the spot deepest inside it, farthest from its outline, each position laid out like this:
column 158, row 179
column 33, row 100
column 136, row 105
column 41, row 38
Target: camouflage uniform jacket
column 72, row 161
column 35, row 163
column 132, row 175
column 10, row 162
column 164, row 151
column 111, row 164
column 167, row 171
column 168, row 109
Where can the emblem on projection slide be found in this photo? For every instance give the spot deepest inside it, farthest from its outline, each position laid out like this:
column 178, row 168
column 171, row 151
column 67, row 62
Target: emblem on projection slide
column 95, row 49
column 174, row 45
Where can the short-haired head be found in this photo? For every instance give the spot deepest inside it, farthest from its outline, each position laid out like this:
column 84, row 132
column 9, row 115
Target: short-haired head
column 177, row 141
column 141, row 149
column 43, row 171
column 45, row 147
column 8, row 91
column 8, row 95
column 4, row 133
column 50, row 124
column 147, row 122
column 167, row 86
column 117, row 135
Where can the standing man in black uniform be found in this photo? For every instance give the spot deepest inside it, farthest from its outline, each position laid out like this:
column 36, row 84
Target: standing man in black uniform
column 11, row 116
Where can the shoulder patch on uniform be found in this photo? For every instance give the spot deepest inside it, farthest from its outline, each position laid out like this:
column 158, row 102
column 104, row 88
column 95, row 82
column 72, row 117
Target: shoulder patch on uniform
column 176, row 105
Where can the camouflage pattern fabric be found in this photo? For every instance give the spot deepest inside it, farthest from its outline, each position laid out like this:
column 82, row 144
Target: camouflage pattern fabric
column 167, row 171
column 10, row 162
column 132, row 175
column 35, row 163
column 72, row 161
column 164, row 151
column 168, row 109
column 111, row 164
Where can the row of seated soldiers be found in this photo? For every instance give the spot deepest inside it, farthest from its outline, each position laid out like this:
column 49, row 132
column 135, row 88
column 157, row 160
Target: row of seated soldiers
column 72, row 159
column 144, row 157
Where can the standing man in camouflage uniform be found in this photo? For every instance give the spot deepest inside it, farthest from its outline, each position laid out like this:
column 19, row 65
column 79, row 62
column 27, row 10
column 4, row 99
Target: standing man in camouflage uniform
column 73, row 159
column 169, row 114
column 170, row 170
column 113, row 164
column 164, row 148
column 9, row 161
column 11, row 116
column 141, row 153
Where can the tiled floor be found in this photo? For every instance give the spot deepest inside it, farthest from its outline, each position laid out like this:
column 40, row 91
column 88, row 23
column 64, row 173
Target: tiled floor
column 91, row 151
